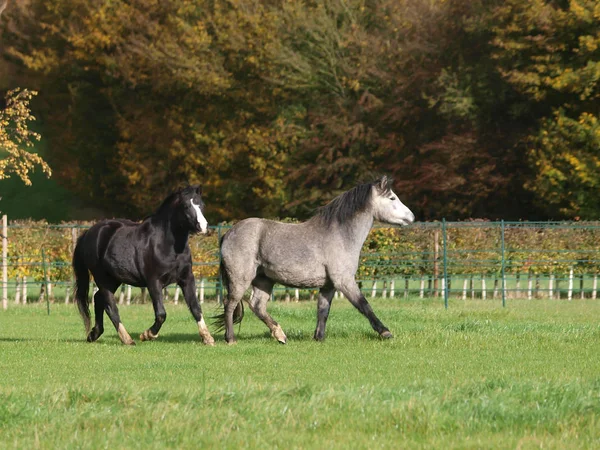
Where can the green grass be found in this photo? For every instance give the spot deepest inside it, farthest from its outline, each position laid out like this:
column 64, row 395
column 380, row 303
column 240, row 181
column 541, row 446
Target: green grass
column 474, row 376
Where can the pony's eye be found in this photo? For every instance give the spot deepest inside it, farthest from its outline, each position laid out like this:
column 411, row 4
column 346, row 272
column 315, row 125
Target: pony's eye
column 392, row 198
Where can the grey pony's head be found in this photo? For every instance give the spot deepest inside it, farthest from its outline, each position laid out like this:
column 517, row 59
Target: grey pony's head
column 377, row 195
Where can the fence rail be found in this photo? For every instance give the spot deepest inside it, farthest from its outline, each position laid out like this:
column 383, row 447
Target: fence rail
column 476, row 259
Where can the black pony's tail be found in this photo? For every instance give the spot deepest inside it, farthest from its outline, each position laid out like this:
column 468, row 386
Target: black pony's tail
column 81, row 292
column 218, row 321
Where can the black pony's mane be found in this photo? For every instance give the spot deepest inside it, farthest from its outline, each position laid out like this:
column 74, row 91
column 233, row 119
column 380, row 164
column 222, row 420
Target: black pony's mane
column 348, row 204
column 167, row 203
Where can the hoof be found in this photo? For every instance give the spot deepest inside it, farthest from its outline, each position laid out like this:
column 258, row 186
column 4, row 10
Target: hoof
column 234, row 342
column 207, row 339
column 386, row 335
column 278, row 334
column 147, row 336
column 132, row 342
column 93, row 336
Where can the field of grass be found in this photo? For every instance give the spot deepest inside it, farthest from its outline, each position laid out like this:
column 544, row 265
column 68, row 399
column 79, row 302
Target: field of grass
column 472, row 376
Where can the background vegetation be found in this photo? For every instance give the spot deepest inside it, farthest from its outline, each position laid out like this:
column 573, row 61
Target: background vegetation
column 479, row 109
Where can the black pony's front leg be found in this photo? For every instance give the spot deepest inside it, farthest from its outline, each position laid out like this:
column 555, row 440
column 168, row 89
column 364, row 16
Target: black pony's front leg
column 160, row 315
column 188, row 286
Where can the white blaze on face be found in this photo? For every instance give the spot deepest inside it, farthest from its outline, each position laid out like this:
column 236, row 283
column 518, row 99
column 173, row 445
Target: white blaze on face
column 200, row 217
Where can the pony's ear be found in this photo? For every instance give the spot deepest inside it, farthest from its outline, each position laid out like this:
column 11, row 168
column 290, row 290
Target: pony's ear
column 382, row 186
column 198, row 189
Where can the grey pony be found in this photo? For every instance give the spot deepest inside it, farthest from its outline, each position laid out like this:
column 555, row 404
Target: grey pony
column 322, row 253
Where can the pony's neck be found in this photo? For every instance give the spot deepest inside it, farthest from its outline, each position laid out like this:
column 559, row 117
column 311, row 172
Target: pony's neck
column 174, row 233
column 357, row 229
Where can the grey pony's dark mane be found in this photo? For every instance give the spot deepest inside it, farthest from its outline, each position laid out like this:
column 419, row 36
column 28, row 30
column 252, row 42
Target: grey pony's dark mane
column 346, row 205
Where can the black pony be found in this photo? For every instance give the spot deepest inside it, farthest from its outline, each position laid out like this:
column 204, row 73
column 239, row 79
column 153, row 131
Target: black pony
column 152, row 254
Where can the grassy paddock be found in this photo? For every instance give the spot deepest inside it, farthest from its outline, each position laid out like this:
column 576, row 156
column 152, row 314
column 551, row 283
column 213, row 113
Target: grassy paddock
column 474, row 376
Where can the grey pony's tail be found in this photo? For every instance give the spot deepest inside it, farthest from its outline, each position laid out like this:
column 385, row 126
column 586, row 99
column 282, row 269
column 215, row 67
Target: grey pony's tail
column 218, row 321
column 81, row 291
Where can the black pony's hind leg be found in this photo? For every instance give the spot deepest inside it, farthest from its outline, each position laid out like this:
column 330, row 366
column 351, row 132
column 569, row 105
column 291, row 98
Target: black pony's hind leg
column 98, row 329
column 160, row 315
column 105, row 298
column 113, row 313
column 188, row 286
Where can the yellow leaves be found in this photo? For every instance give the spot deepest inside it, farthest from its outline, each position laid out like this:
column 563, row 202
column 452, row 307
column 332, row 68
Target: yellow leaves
column 15, row 137
column 353, row 85
column 582, row 10
column 589, row 43
column 566, row 157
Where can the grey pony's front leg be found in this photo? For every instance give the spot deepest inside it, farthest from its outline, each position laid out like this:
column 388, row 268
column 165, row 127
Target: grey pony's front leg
column 160, row 315
column 356, row 297
column 323, row 306
column 188, row 287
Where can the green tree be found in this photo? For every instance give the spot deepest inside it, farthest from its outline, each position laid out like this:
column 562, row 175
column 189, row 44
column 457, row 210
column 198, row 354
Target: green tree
column 550, row 52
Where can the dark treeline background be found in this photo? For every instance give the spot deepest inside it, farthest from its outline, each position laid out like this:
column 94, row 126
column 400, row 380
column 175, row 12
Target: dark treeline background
column 482, row 108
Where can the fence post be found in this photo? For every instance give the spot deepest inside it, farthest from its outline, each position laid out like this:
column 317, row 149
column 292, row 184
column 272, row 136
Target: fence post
column 503, row 267
column 4, row 262
column 45, row 279
column 445, row 263
column 570, row 292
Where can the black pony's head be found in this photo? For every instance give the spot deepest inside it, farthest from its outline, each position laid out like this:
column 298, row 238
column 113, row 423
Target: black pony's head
column 188, row 207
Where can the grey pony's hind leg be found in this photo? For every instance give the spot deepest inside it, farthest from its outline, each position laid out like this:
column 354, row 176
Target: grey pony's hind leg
column 261, row 291
column 234, row 297
column 356, row 297
column 236, row 287
column 323, row 306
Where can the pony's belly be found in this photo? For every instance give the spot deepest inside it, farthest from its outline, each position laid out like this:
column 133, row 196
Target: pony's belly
column 295, row 278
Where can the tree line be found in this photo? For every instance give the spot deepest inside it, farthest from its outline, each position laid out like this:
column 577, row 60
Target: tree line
column 477, row 109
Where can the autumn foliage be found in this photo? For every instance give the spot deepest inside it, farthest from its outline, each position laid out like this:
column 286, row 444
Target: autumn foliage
column 481, row 108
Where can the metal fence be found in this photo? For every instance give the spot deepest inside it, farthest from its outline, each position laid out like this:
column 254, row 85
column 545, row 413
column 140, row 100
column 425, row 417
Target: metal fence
column 496, row 261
